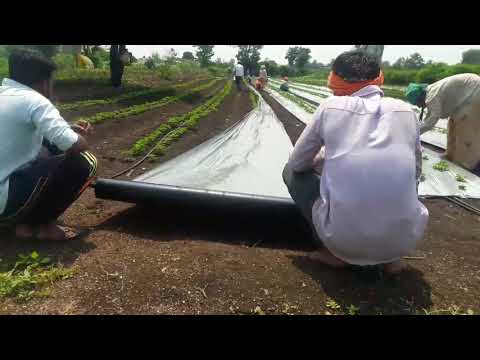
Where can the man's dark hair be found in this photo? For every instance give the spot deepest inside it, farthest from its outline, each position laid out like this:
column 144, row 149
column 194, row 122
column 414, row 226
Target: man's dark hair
column 29, row 67
column 356, row 66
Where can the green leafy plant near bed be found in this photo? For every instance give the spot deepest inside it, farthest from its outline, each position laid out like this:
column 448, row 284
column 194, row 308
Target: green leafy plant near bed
column 141, row 108
column 308, row 108
column 441, row 166
column 176, row 126
column 127, row 96
column 29, row 276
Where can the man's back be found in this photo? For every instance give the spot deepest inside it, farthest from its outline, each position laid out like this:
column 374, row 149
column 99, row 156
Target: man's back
column 239, row 70
column 368, row 185
column 447, row 95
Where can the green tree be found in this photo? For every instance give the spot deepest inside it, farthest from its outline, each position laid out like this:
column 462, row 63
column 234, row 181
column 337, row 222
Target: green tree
column 386, row 64
column 249, row 56
column 471, row 56
column 291, row 55
column 303, row 56
column 188, row 55
column 400, row 63
column 271, row 66
column 204, row 53
column 414, row 61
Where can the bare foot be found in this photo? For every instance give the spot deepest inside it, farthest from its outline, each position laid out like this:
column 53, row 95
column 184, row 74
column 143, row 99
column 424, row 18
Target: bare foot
column 395, row 268
column 23, row 231
column 51, row 232
column 326, row 257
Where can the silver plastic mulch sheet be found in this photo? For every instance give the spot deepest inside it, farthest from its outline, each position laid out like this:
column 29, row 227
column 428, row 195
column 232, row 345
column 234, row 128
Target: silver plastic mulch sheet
column 248, row 158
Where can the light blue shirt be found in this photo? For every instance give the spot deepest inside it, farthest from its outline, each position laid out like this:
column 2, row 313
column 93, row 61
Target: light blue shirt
column 26, row 118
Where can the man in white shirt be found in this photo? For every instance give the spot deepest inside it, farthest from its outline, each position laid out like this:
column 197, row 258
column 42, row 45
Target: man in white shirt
column 353, row 172
column 457, row 98
column 239, row 75
column 44, row 165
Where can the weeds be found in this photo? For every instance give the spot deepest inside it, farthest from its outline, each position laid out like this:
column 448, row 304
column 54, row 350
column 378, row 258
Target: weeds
column 307, row 107
column 29, row 276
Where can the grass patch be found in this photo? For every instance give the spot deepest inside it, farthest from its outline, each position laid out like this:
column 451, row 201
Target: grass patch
column 148, row 106
column 176, row 126
column 460, row 178
column 30, row 277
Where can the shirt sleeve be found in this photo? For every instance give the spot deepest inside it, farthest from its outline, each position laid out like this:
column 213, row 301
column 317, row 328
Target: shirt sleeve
column 309, row 144
column 434, row 111
column 47, row 119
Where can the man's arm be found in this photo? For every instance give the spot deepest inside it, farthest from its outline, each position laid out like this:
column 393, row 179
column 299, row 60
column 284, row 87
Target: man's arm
column 304, row 153
column 55, row 129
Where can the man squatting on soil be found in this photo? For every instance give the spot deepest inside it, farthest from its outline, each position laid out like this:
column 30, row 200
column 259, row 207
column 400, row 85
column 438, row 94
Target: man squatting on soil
column 44, row 162
column 354, row 170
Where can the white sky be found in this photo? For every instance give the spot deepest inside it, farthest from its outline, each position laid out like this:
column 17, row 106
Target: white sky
column 450, row 54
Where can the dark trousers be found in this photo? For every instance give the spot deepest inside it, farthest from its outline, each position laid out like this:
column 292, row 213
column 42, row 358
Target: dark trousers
column 304, row 188
column 238, row 81
column 116, row 71
column 41, row 191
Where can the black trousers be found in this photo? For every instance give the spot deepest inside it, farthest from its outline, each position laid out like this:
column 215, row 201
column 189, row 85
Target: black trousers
column 41, row 191
column 238, row 81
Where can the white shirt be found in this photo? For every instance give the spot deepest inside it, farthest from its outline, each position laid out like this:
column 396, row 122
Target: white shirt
column 447, row 96
column 239, row 70
column 263, row 73
column 368, row 211
column 26, row 117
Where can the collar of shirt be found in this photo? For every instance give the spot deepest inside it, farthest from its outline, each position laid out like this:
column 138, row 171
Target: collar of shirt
column 14, row 84
column 368, row 91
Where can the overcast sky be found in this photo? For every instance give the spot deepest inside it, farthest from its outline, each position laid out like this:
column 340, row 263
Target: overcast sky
column 450, row 54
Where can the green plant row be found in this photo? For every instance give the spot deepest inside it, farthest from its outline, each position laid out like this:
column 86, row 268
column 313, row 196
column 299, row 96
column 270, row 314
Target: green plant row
column 308, row 108
column 141, row 108
column 128, row 96
column 253, row 98
column 178, row 125
column 29, row 274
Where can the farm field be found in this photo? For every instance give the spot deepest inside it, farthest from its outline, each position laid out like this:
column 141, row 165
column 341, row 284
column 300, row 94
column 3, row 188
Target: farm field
column 144, row 260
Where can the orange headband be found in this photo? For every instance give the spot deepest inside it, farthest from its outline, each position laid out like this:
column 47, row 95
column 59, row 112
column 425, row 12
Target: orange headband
column 341, row 87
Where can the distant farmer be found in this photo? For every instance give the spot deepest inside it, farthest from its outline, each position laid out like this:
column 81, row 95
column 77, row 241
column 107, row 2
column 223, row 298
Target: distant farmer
column 284, row 84
column 353, row 172
column 239, row 75
column 118, row 60
column 263, row 76
column 373, row 50
column 457, row 98
column 44, row 165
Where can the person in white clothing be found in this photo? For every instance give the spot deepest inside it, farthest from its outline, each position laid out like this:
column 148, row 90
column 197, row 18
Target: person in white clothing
column 44, row 162
column 456, row 98
column 239, row 73
column 353, row 172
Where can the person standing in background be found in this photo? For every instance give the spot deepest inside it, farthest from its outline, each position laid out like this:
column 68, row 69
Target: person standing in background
column 239, row 73
column 116, row 64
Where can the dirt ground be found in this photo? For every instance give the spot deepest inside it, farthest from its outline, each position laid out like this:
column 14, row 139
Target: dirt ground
column 137, row 260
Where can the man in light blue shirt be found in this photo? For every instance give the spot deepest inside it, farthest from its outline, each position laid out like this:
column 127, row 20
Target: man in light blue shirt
column 44, row 163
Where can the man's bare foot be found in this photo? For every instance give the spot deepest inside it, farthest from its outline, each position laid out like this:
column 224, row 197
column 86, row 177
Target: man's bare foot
column 395, row 268
column 51, row 232
column 23, row 231
column 326, row 257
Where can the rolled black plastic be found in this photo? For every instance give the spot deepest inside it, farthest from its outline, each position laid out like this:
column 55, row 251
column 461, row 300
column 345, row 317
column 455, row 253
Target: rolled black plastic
column 165, row 195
